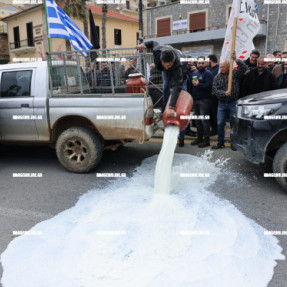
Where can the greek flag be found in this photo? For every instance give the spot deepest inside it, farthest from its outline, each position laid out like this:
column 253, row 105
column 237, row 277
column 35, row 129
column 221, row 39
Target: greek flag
column 255, row 6
column 62, row 26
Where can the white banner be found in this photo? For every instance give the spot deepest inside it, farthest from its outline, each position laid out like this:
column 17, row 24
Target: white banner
column 248, row 26
column 179, row 25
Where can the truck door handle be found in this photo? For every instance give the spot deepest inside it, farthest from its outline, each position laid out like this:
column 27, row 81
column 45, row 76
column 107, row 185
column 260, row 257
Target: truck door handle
column 24, row 105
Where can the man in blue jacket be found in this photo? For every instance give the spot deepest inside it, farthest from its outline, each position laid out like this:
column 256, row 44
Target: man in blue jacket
column 201, row 92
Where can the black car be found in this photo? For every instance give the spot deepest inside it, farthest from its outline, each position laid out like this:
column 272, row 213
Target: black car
column 260, row 130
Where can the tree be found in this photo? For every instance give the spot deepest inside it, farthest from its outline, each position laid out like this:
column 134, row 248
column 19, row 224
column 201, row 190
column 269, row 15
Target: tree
column 104, row 19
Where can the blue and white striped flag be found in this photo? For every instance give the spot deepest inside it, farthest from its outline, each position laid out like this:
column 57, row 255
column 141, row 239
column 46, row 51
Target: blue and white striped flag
column 62, row 26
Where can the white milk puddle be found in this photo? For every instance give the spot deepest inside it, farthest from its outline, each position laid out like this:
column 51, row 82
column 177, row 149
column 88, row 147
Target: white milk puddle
column 125, row 236
column 162, row 179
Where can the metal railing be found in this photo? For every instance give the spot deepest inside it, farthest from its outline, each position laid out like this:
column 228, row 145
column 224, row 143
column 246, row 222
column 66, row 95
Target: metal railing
column 108, row 73
column 22, row 44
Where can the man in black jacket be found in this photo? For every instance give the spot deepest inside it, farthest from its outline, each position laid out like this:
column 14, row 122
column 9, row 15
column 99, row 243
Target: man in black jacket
column 167, row 59
column 251, row 62
column 258, row 80
column 174, row 73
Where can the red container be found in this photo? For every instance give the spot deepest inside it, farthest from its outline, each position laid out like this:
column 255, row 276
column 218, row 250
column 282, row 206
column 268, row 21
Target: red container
column 183, row 107
column 136, row 83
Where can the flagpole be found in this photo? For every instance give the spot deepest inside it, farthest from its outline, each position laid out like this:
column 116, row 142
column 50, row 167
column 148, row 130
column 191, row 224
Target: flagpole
column 47, row 27
column 233, row 46
column 49, row 60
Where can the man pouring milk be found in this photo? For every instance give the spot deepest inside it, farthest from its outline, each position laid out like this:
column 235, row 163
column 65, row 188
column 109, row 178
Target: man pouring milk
column 174, row 72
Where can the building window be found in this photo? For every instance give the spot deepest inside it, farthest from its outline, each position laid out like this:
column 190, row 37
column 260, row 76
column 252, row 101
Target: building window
column 30, row 36
column 197, row 21
column 163, row 27
column 128, row 4
column 16, row 37
column 118, row 37
column 138, row 37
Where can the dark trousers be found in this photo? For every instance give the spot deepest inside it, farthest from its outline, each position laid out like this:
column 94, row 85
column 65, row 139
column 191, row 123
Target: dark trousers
column 201, row 107
column 166, row 93
column 213, row 114
column 224, row 110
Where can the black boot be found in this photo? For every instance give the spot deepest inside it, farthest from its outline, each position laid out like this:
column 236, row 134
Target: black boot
column 233, row 148
column 180, row 143
column 219, row 146
column 197, row 141
column 205, row 142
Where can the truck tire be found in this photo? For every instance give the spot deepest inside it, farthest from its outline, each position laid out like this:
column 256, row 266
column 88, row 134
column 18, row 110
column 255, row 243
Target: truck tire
column 79, row 149
column 280, row 165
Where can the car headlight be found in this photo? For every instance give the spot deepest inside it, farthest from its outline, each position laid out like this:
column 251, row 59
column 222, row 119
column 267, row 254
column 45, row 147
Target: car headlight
column 257, row 112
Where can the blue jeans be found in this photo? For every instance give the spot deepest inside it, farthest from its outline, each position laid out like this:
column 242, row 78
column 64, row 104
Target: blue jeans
column 224, row 110
column 166, row 94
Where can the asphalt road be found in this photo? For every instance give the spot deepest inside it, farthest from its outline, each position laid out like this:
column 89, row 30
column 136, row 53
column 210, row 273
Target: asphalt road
column 27, row 201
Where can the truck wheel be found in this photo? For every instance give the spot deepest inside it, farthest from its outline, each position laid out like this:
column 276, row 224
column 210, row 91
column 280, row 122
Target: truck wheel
column 79, row 149
column 280, row 165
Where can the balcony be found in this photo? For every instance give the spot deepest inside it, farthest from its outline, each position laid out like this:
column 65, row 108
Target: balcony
column 210, row 33
column 23, row 46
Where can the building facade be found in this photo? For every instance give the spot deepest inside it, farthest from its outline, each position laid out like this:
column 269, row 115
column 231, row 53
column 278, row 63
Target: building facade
column 6, row 9
column 27, row 36
column 200, row 29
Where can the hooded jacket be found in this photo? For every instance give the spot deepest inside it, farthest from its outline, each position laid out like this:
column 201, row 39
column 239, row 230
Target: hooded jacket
column 177, row 74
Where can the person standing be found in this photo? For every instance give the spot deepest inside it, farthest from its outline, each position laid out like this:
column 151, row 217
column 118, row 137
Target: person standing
column 280, row 72
column 270, row 62
column 132, row 68
column 258, row 80
column 201, row 92
column 213, row 68
column 226, row 100
column 251, row 62
column 277, row 55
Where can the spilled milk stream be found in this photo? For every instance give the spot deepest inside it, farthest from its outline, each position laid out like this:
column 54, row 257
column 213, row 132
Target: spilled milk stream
column 162, row 179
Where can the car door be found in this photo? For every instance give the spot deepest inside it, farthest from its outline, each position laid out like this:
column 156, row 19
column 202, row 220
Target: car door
column 17, row 105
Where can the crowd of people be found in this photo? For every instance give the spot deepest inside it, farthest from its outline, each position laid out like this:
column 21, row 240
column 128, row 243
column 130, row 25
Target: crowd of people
column 207, row 81
column 254, row 75
column 101, row 76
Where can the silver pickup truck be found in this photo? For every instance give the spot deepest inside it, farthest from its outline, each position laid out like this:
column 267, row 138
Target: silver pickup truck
column 41, row 107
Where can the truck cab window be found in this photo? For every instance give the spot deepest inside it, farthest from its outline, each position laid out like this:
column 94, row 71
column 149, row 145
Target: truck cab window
column 16, row 84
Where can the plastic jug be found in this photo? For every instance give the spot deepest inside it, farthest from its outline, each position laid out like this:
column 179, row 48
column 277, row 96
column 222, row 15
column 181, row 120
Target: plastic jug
column 183, row 107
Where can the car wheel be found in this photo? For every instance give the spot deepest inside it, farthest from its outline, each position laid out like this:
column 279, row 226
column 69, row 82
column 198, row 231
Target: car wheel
column 79, row 149
column 280, row 165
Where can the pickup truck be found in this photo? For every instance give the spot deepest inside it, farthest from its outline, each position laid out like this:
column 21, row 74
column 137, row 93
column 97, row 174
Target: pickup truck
column 260, row 130
column 38, row 106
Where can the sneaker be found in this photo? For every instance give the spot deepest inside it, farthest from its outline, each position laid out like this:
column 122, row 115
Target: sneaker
column 204, row 143
column 180, row 143
column 233, row 148
column 197, row 141
column 219, row 146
